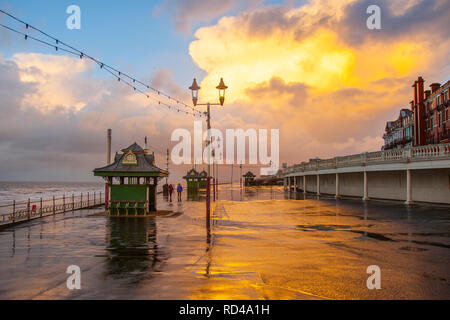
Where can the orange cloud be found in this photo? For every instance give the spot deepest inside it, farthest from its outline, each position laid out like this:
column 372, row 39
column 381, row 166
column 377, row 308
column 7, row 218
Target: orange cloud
column 317, row 73
column 59, row 81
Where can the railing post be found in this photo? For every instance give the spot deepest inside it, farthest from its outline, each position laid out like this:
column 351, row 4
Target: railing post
column 29, row 209
column 64, row 203
column 14, row 211
column 408, row 188
column 363, row 158
column 366, row 187
column 40, row 208
column 318, row 184
column 338, row 192
column 54, row 211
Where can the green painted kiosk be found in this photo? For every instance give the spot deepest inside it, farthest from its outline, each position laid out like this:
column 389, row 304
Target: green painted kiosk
column 192, row 178
column 203, row 179
column 249, row 178
column 131, row 182
column 195, row 180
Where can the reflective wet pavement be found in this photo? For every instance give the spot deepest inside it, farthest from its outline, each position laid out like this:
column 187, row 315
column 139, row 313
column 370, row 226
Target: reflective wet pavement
column 263, row 244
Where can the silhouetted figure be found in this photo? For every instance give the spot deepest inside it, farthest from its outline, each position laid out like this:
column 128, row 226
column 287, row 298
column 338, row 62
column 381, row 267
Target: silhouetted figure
column 170, row 192
column 180, row 191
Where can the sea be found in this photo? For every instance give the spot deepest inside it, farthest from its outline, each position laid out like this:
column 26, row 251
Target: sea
column 22, row 191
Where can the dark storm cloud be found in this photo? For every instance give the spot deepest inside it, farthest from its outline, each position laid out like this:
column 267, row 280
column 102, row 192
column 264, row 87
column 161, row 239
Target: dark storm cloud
column 269, row 20
column 185, row 13
column 427, row 16
column 12, row 90
column 277, row 86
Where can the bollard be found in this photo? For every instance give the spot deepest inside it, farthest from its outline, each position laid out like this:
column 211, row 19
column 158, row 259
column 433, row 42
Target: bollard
column 40, row 209
column 94, row 198
column 54, row 212
column 73, row 202
column 88, row 201
column 64, row 203
column 14, row 211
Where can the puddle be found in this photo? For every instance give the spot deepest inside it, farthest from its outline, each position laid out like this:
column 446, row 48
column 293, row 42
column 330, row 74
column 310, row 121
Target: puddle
column 413, row 249
column 372, row 235
column 434, row 244
column 330, row 227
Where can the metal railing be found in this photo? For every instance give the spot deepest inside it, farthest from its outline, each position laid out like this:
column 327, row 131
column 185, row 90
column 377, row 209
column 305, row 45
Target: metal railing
column 422, row 153
column 33, row 209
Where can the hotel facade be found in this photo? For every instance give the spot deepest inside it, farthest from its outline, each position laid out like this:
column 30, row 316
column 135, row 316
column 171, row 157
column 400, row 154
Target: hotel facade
column 426, row 122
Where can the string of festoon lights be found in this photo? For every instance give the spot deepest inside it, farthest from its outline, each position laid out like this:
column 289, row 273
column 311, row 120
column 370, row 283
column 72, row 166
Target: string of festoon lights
column 138, row 86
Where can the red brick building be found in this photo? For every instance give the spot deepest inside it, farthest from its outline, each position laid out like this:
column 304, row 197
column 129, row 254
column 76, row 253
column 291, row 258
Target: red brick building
column 437, row 119
column 429, row 122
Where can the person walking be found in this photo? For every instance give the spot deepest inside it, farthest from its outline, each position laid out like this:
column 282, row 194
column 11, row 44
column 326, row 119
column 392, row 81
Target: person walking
column 170, row 192
column 180, row 191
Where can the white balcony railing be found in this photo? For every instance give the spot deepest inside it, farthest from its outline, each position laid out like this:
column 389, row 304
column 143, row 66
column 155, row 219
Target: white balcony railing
column 429, row 152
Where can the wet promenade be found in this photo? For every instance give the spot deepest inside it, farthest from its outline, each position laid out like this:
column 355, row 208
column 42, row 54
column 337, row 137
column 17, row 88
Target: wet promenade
column 263, row 244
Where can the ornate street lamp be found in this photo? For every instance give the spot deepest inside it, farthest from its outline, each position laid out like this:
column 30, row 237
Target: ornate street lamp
column 222, row 87
column 194, row 88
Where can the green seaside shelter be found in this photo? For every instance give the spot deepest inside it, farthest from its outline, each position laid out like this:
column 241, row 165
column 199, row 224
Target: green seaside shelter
column 249, row 178
column 131, row 182
column 195, row 180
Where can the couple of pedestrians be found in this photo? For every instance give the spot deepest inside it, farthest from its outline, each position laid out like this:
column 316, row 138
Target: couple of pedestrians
column 179, row 191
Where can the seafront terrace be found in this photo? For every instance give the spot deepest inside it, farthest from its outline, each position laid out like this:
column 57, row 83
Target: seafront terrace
column 410, row 174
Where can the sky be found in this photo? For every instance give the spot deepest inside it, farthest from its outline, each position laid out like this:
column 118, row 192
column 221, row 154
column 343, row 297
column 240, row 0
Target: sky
column 311, row 69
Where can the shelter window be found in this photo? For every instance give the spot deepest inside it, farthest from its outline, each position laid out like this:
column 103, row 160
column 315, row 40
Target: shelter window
column 133, row 180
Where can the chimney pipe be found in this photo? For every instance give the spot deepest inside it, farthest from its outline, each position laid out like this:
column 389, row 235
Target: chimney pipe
column 435, row 87
column 108, row 148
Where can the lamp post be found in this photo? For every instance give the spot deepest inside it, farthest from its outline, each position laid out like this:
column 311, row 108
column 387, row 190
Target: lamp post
column 194, row 89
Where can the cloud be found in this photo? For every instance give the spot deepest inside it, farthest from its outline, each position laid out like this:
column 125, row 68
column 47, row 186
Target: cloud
column 55, row 112
column 314, row 72
column 317, row 73
column 163, row 80
column 187, row 12
column 417, row 19
column 12, row 90
column 64, row 82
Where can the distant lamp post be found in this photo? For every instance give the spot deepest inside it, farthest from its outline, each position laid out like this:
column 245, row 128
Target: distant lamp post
column 195, row 88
